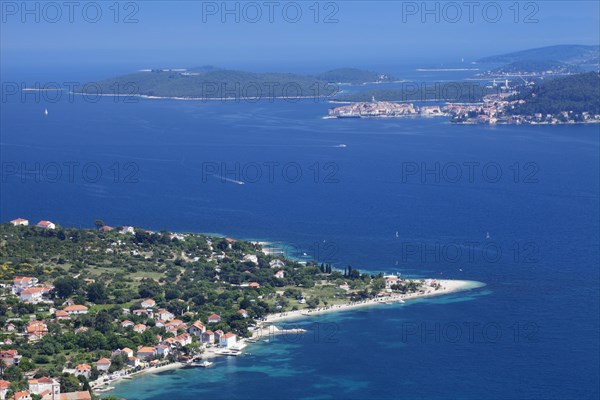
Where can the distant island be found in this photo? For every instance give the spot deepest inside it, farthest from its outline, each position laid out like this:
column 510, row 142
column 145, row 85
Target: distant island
column 570, row 54
column 82, row 308
column 566, row 100
column 212, row 83
column 545, row 61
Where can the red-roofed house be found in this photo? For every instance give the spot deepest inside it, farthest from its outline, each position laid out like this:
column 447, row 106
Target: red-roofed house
column 103, row 364
column 244, row 313
column 254, row 285
column 208, row 337
column 139, row 328
column 23, row 282
column 22, row 396
column 165, row 315
column 145, row 353
column 61, row 315
column 31, row 294
column 183, row 340
column 83, row 369
column 10, row 357
column 148, row 303
column 127, row 323
column 36, row 330
column 46, row 225
column 3, row 388
column 19, row 222
column 76, row 309
column 106, row 228
column 196, row 329
column 75, row 396
column 214, row 319
column 163, row 350
column 227, row 340
column 48, row 388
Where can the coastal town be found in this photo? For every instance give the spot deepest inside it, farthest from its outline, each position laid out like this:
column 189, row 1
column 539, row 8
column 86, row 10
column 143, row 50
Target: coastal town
column 65, row 337
column 493, row 110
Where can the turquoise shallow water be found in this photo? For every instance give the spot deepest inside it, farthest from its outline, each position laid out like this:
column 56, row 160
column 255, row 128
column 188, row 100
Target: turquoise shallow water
column 530, row 333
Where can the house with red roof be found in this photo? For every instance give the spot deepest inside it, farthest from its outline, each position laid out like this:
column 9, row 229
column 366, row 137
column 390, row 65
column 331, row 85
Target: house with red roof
column 22, row 396
column 46, row 225
column 4, row 385
column 20, row 222
column 165, row 315
column 163, row 350
column 85, row 395
column 218, row 334
column 197, row 329
column 103, row 364
column 243, row 313
column 10, row 357
column 208, row 337
column 214, row 319
column 48, row 388
column 227, row 340
column 106, row 228
column 36, row 330
column 23, row 282
column 31, row 295
column 76, row 309
column 146, row 353
column 83, row 369
column 148, row 303
column 140, row 328
column 254, row 285
column 61, row 315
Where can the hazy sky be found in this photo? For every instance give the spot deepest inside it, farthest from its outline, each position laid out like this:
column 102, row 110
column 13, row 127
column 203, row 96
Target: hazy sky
column 265, row 34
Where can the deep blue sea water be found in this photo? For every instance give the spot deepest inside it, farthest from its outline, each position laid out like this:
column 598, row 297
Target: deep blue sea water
column 532, row 237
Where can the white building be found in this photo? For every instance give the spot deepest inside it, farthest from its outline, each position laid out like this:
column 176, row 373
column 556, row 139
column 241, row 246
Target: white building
column 228, row 340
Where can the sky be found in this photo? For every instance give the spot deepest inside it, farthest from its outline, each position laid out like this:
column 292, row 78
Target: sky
column 281, row 35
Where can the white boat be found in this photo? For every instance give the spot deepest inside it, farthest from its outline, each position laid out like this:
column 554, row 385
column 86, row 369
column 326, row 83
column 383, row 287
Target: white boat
column 46, row 111
column 402, row 301
column 341, row 145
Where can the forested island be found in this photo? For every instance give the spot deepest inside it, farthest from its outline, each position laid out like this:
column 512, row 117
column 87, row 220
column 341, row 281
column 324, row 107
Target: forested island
column 80, row 308
column 212, row 83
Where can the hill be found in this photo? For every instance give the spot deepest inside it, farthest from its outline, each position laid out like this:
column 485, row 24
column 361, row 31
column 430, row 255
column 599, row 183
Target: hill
column 571, row 54
column 577, row 93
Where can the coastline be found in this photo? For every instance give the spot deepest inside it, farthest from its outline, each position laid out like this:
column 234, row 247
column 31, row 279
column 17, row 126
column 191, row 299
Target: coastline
column 266, row 327
column 448, row 286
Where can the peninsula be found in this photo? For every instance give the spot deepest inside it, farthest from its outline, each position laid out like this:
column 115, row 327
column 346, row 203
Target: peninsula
column 82, row 308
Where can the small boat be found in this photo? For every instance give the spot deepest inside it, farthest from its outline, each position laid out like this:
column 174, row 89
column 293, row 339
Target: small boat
column 401, row 301
column 204, row 364
column 46, row 111
column 342, row 145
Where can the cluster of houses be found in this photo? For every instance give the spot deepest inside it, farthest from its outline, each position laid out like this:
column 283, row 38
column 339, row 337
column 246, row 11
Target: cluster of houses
column 42, row 224
column 44, row 387
column 374, row 109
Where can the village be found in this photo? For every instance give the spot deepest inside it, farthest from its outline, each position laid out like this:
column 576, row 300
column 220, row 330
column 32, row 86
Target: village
column 493, row 110
column 148, row 334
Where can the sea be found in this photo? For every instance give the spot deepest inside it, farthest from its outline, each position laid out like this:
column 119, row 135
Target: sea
column 513, row 207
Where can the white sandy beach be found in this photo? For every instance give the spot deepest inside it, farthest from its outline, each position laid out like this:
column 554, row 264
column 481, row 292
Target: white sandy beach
column 267, row 329
column 448, row 286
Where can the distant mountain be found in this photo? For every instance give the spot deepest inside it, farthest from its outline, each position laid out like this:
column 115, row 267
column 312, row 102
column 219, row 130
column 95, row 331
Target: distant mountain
column 567, row 53
column 533, row 68
column 577, row 93
column 353, row 76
